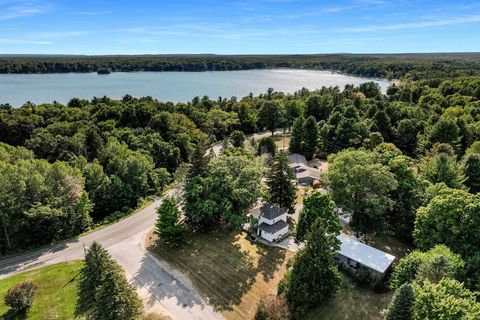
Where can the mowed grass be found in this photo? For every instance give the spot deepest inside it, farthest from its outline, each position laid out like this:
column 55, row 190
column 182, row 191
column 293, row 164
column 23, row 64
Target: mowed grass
column 56, row 296
column 352, row 303
column 229, row 271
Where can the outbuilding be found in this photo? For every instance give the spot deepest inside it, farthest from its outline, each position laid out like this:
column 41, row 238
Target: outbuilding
column 356, row 255
column 304, row 174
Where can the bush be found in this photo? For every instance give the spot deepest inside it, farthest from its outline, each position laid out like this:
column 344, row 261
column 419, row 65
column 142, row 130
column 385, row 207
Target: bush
column 272, row 308
column 20, row 297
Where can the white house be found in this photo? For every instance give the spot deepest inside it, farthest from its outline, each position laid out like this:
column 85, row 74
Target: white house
column 272, row 222
column 305, row 174
column 356, row 255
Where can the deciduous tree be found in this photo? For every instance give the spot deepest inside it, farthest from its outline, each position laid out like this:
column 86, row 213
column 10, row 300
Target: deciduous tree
column 317, row 206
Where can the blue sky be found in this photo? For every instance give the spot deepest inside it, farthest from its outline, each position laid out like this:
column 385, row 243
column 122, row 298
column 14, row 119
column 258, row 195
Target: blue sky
column 238, row 26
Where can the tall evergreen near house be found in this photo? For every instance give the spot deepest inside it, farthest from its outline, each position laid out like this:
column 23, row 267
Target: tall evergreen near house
column 280, row 181
column 296, row 141
column 400, row 307
column 103, row 291
column 310, row 138
column 313, row 278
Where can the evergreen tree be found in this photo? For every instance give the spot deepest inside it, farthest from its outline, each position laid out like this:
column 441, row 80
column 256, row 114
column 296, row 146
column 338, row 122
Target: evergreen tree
column 97, row 262
column 443, row 168
column 296, row 141
column 237, row 138
column 280, row 181
column 103, row 291
column 199, row 161
column 314, row 277
column 400, row 307
column 383, row 124
column 169, row 227
column 115, row 298
column 317, row 206
column 471, row 165
column 310, row 138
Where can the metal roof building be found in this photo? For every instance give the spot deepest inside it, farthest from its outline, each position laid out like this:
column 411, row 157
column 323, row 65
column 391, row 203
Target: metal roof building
column 365, row 255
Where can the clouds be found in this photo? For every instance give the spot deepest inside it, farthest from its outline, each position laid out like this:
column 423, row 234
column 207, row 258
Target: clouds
column 23, row 42
column 415, row 25
column 18, row 9
column 238, row 26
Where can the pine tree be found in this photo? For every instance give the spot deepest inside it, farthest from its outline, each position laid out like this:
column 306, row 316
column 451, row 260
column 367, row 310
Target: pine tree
column 103, row 291
column 169, row 227
column 471, row 165
column 296, row 141
column 97, row 262
column 199, row 162
column 116, row 299
column 310, row 138
column 314, row 277
column 280, row 181
column 400, row 307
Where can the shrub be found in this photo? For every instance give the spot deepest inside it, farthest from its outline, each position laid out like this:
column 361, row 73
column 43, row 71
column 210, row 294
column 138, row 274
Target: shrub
column 272, row 308
column 20, row 297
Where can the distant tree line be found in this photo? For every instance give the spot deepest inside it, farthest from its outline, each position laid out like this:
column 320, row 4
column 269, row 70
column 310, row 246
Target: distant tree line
column 415, row 66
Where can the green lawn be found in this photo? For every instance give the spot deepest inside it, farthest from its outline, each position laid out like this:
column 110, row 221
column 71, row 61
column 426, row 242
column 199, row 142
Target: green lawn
column 230, row 272
column 352, row 303
column 56, row 295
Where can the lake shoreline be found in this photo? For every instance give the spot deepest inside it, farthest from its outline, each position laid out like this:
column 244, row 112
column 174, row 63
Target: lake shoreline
column 168, row 86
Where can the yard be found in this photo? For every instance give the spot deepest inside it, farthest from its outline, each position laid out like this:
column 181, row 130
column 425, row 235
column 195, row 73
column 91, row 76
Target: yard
column 353, row 302
column 56, row 295
column 230, row 272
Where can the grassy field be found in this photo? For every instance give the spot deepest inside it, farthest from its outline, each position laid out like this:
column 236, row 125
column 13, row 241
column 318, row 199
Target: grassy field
column 352, row 303
column 56, row 295
column 228, row 270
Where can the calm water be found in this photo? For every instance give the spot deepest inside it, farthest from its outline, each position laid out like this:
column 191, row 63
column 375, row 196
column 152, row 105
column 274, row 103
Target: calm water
column 17, row 89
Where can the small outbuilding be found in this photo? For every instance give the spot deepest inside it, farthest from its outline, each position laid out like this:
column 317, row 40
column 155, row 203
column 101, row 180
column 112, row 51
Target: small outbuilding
column 305, row 174
column 272, row 222
column 356, row 255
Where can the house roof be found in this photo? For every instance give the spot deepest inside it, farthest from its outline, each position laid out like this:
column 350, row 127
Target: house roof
column 297, row 160
column 270, row 211
column 274, row 228
column 368, row 256
column 308, row 172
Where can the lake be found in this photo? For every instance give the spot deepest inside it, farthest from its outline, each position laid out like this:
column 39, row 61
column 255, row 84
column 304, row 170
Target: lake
column 17, row 89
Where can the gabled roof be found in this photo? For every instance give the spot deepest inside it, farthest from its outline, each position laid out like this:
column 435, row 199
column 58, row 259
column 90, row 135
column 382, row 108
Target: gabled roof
column 273, row 228
column 297, row 160
column 308, row 172
column 368, row 256
column 270, row 211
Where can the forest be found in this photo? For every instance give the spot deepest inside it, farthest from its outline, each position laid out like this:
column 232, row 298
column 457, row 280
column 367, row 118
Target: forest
column 391, row 66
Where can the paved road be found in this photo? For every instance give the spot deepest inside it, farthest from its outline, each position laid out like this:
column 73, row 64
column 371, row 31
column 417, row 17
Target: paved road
column 163, row 290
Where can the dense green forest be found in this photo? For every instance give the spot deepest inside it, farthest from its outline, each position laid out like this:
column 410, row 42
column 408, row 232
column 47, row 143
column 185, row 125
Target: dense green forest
column 105, row 155
column 393, row 66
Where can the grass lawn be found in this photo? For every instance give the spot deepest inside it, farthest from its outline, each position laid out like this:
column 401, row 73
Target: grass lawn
column 352, row 303
column 56, row 295
column 230, row 272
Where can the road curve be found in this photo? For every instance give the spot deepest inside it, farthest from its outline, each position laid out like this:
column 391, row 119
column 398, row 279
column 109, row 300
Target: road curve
column 162, row 289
